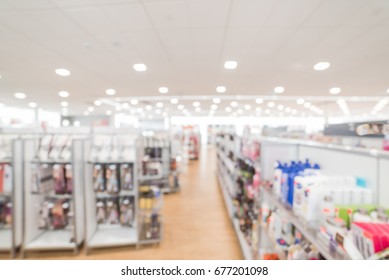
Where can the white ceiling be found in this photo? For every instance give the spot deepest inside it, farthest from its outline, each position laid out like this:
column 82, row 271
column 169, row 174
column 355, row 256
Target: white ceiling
column 184, row 44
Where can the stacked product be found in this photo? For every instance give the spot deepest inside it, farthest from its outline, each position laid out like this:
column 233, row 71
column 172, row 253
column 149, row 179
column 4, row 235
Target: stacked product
column 116, row 210
column 150, row 204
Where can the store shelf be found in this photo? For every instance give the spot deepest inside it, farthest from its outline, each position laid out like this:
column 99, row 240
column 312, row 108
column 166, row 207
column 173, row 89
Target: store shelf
column 51, row 161
column 5, row 195
column 110, row 195
column 5, row 239
column 151, row 177
column 280, row 252
column 228, row 162
column 52, row 240
column 226, row 196
column 245, row 247
column 310, row 234
column 112, row 237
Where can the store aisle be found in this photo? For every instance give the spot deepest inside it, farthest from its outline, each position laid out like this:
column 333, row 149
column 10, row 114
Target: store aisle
column 195, row 220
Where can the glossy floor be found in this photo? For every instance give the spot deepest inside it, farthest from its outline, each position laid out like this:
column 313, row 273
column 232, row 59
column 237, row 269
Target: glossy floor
column 196, row 225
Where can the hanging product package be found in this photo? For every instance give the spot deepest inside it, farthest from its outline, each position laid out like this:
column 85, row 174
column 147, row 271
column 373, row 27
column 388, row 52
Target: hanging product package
column 112, row 178
column 98, row 178
column 101, row 211
column 112, row 211
column 127, row 211
column 59, row 179
column 126, row 177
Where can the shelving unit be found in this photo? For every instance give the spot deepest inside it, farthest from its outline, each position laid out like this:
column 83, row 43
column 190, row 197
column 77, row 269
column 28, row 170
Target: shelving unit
column 39, row 235
column 11, row 194
column 312, row 235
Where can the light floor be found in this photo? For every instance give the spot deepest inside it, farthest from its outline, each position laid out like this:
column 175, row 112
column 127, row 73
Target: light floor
column 196, row 225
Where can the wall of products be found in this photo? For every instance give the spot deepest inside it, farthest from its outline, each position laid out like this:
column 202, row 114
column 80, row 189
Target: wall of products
column 303, row 200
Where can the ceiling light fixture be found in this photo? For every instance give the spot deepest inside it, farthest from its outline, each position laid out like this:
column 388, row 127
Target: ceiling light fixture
column 32, row 105
column 259, row 100
column 140, row 67
column 230, row 64
column 125, row 105
column 64, row 104
column 108, row 112
column 213, row 107
column 335, row 90
column 163, row 90
column 234, row 104
column 159, row 105
column 196, row 104
column 86, row 113
column 221, row 89
column 279, row 89
column 149, row 107
column 228, row 109
column 97, row 102
column 216, row 100
column 110, row 91
column 62, row 72
column 307, row 104
column 320, row 66
column 63, row 94
column 280, row 107
column 180, row 107
column 198, row 109
column 300, row 101
column 20, row 95
column 258, row 109
column 247, row 107
column 271, row 104
column 91, row 108
column 174, row 100
column 134, row 101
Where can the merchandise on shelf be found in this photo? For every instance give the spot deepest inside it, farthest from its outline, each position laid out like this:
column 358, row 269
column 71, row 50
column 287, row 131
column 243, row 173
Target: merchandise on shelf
column 112, row 178
column 5, row 213
column 5, row 178
column 116, row 210
column 52, row 178
column 150, row 204
column 55, row 214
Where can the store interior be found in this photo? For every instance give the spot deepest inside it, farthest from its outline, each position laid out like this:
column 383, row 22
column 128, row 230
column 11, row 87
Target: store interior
column 194, row 129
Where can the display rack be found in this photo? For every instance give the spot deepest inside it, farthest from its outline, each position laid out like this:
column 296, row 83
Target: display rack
column 111, row 179
column 227, row 153
column 54, row 197
column 11, row 194
column 155, row 162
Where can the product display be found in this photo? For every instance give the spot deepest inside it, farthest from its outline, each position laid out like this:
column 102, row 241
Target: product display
column 112, row 178
column 5, row 178
column 5, row 213
column 150, row 204
column 55, row 214
column 52, row 178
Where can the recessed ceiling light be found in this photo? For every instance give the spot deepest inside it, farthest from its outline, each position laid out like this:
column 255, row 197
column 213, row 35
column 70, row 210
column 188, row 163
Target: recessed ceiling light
column 198, row 109
column 64, row 104
column 64, row 111
column 288, row 110
column 159, row 105
column 62, row 72
column 174, row 100
column 228, row 109
column 63, row 94
column 86, row 113
column 247, row 107
column 97, row 102
column 180, row 107
column 259, row 100
column 279, row 89
column 65, row 122
column 76, row 123
column 240, row 111
column 271, row 104
column 335, row 90
column 216, row 100
column 20, row 95
column 307, row 104
column 110, row 91
column 134, row 102
column 230, row 64
column 163, row 90
column 258, row 109
column 213, row 106
column 221, row 89
column 267, row 111
column 32, row 105
column 108, row 112
column 91, row 108
column 234, row 104
column 140, row 67
column 321, row 66
column 149, row 107
column 300, row 101
column 196, row 104
column 125, row 105
column 280, row 107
